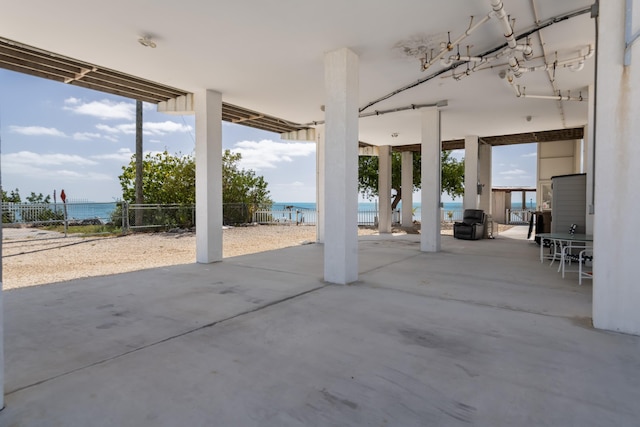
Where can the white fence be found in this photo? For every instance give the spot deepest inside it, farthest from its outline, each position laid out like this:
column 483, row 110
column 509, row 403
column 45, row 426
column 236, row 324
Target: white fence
column 365, row 216
column 518, row 216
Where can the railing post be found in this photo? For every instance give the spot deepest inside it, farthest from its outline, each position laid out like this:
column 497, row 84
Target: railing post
column 125, row 217
column 66, row 220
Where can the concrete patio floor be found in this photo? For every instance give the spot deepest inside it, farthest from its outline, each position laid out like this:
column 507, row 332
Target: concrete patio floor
column 481, row 333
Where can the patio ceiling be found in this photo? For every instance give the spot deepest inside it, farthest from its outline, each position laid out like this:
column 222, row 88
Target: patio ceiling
column 37, row 62
column 267, row 59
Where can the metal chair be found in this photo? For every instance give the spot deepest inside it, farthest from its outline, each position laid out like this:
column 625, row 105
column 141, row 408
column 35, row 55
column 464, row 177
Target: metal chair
column 586, row 255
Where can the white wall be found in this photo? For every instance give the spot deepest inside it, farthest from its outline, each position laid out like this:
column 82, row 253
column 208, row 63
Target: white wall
column 616, row 284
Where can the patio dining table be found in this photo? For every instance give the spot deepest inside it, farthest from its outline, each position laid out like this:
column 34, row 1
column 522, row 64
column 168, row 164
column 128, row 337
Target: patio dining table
column 560, row 241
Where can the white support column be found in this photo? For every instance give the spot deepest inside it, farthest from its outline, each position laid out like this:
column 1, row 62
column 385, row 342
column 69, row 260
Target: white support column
column 341, row 153
column 616, row 293
column 588, row 154
column 484, row 173
column 320, row 173
column 470, row 200
column 407, row 188
column 384, row 189
column 1, row 321
column 430, row 177
column 208, row 107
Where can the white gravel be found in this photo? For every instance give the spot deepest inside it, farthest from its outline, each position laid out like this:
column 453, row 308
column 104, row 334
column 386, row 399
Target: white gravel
column 36, row 257
column 33, row 257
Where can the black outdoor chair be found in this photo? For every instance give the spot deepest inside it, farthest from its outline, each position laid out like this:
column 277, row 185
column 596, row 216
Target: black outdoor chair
column 472, row 225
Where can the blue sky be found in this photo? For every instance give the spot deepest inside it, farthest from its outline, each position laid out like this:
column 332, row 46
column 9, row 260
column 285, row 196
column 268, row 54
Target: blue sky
column 57, row 136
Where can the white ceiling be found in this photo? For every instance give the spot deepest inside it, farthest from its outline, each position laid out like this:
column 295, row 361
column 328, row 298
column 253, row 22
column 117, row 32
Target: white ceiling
column 267, row 55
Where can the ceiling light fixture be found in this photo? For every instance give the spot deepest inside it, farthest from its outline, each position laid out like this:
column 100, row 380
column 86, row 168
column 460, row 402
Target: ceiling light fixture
column 147, row 42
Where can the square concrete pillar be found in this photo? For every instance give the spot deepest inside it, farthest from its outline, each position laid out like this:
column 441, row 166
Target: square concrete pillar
column 430, row 176
column 616, row 292
column 470, row 199
column 484, row 176
column 341, row 154
column 588, row 154
column 320, row 173
column 1, row 323
column 208, row 108
column 406, row 185
column 384, row 188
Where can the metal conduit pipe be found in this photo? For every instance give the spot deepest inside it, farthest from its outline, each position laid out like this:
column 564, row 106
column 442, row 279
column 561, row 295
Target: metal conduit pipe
column 440, row 104
column 520, row 94
column 574, row 64
column 555, row 97
column 453, row 44
column 455, row 58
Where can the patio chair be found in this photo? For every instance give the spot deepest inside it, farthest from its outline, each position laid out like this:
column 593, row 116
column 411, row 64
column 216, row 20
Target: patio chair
column 586, row 256
column 472, row 225
column 573, row 252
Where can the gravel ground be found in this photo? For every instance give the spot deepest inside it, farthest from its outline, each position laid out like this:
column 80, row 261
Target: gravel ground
column 35, row 257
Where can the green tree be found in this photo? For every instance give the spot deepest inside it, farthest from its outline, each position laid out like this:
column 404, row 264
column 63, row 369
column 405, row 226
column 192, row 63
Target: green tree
column 166, row 179
column 169, row 179
column 9, row 216
column 452, row 175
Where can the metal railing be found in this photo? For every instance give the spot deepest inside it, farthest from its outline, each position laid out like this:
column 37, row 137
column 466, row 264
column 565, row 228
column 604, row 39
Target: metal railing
column 518, row 216
column 310, row 216
column 451, row 215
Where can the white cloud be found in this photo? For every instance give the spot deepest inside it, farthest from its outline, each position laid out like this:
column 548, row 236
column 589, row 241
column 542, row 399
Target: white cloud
column 514, row 172
column 51, row 167
column 72, row 101
column 148, row 128
column 29, row 158
column 104, row 109
column 85, row 136
column 533, row 154
column 162, row 128
column 267, row 154
column 92, row 176
column 36, row 131
column 123, row 155
column 107, row 128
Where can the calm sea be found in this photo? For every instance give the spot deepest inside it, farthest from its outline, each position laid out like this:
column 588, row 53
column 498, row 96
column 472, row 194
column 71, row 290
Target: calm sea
column 372, row 206
column 104, row 210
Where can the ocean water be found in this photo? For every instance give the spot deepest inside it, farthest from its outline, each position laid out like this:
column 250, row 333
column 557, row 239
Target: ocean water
column 104, row 210
column 455, row 207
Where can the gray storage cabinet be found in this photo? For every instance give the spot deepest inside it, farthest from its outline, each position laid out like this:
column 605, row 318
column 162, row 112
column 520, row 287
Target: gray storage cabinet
column 569, row 203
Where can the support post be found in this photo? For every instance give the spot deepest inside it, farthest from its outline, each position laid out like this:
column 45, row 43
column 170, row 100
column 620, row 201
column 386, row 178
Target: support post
column 431, row 150
column 320, row 173
column 1, row 317
column 588, row 153
column 139, row 164
column 341, row 152
column 384, row 189
column 484, row 174
column 407, row 189
column 470, row 200
column 616, row 294
column 208, row 107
